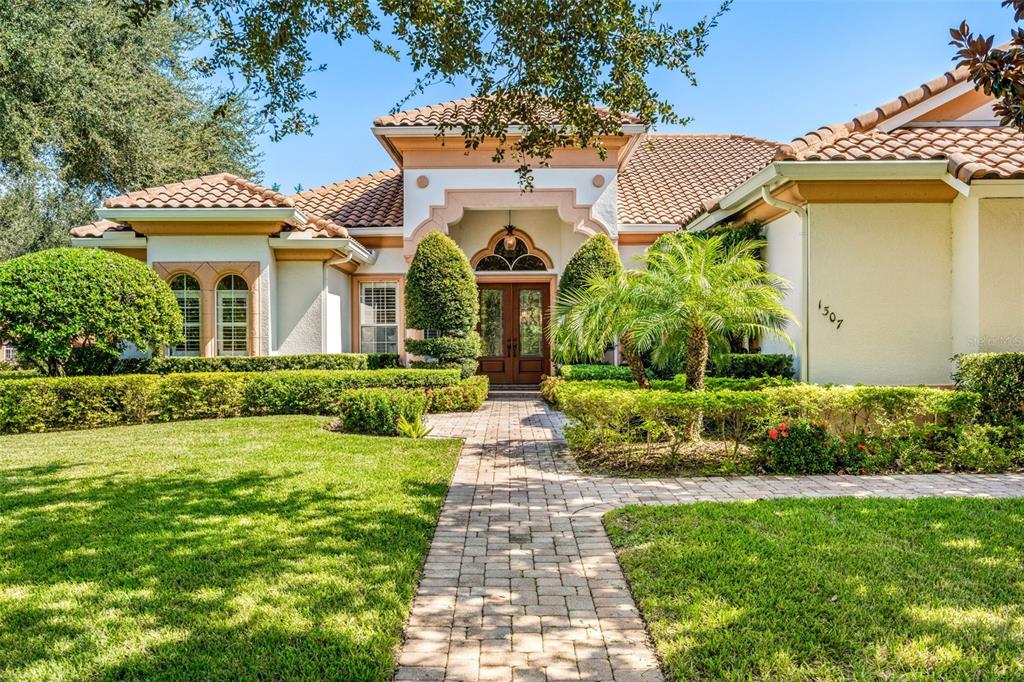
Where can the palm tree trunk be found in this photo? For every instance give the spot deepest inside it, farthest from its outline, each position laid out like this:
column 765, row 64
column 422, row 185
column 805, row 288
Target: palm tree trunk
column 636, row 364
column 696, row 364
column 696, row 359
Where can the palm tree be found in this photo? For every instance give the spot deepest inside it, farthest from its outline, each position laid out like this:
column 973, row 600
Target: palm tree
column 697, row 292
column 694, row 293
column 590, row 318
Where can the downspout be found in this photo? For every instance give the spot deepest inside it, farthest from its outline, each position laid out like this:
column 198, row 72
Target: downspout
column 323, row 305
column 805, row 247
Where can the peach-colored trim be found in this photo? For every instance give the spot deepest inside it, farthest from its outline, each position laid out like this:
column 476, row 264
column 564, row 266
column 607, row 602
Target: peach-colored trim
column 304, row 254
column 957, row 107
column 457, row 201
column 872, row 191
column 430, row 151
column 156, row 228
column 208, row 274
column 400, row 279
column 499, row 235
column 526, row 278
column 638, row 238
column 137, row 254
column 380, row 241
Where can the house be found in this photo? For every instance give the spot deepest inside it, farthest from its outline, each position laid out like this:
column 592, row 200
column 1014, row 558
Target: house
column 900, row 232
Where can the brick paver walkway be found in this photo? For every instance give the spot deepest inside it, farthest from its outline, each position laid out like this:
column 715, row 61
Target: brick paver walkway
column 521, row 582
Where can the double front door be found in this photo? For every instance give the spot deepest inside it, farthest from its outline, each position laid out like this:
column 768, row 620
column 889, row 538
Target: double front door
column 512, row 322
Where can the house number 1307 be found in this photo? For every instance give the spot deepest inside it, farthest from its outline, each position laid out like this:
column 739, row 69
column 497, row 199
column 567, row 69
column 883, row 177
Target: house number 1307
column 830, row 315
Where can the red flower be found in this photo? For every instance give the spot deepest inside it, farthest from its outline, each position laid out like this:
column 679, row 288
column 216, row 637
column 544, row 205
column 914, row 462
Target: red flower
column 773, row 434
column 784, row 426
column 860, row 446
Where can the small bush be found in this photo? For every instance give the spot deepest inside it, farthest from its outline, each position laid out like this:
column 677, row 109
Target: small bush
column 380, row 361
column 376, row 411
column 262, row 363
column 466, row 396
column 800, row 447
column 445, row 348
column 596, row 372
column 999, row 379
column 596, row 257
column 749, row 365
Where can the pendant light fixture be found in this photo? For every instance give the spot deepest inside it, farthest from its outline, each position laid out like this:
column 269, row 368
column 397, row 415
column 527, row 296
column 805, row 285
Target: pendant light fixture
column 510, row 238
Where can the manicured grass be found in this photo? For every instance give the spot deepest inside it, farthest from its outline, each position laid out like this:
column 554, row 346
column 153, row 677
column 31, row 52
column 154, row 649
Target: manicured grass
column 830, row 589
column 262, row 548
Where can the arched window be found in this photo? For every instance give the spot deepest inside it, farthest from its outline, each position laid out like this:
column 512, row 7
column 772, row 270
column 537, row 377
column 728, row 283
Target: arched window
column 232, row 316
column 186, row 290
column 517, row 258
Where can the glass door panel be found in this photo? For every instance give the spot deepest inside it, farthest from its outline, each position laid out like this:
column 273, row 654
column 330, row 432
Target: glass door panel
column 492, row 322
column 531, row 323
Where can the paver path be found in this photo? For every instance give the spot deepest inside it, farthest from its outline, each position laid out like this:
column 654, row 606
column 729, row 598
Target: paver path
column 521, row 582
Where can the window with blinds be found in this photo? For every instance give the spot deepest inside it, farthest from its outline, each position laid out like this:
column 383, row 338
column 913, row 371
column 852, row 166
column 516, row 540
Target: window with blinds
column 378, row 317
column 186, row 290
column 232, row 316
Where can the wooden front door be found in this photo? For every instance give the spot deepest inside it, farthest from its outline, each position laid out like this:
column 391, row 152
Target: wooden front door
column 512, row 322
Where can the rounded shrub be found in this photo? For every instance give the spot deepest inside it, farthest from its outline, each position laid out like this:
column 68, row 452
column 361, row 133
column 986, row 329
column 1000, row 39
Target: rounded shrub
column 440, row 290
column 52, row 301
column 596, row 257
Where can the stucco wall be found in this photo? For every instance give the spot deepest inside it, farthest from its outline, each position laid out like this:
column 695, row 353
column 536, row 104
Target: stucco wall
column 227, row 248
column 885, row 269
column 784, row 257
column 602, row 201
column 337, row 312
column 1001, row 284
column 966, row 269
column 299, row 322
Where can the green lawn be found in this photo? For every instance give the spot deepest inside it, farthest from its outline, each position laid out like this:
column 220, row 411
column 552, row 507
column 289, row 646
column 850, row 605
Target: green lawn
column 830, row 589
column 262, row 548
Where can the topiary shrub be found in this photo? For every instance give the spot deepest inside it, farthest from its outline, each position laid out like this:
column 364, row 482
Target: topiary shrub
column 440, row 296
column 596, row 257
column 52, row 301
column 440, row 289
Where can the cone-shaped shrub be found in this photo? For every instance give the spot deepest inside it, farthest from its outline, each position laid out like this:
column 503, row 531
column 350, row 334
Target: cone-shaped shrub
column 440, row 295
column 597, row 256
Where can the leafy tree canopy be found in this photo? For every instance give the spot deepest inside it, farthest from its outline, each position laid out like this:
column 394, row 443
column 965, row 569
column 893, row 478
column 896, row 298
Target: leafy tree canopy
column 52, row 301
column 522, row 58
column 93, row 105
column 997, row 71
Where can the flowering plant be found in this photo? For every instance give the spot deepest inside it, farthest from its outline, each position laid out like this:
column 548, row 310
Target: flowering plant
column 799, row 447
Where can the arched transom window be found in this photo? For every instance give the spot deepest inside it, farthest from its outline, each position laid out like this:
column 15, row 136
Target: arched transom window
column 513, row 252
column 186, row 290
column 232, row 316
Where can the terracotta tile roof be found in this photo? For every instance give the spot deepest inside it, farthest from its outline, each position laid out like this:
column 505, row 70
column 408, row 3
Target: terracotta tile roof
column 972, row 152
column 373, row 200
column 222, row 190
column 462, row 111
column 97, row 228
column 668, row 181
column 869, row 120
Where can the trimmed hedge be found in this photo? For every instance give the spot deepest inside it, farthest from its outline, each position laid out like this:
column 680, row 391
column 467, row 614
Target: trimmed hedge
column 446, row 348
column 375, row 411
column 596, row 372
column 552, row 387
column 466, row 396
column 749, row 365
column 920, row 427
column 262, row 363
column 999, row 379
column 87, row 402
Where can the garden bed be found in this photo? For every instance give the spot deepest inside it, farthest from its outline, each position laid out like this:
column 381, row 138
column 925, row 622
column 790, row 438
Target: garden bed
column 829, row 589
column 256, row 548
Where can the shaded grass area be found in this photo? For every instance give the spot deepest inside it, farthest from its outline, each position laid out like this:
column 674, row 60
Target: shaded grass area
column 262, row 548
column 830, row 589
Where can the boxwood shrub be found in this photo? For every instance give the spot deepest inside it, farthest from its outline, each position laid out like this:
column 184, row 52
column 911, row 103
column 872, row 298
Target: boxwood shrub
column 375, row 411
column 263, row 363
column 748, row 365
column 999, row 379
column 466, row 396
column 919, row 427
column 85, row 402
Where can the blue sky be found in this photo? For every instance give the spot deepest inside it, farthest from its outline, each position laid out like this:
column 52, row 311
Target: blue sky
column 773, row 70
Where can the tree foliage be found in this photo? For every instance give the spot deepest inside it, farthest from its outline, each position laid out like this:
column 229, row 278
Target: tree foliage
column 596, row 257
column 997, row 71
column 523, row 59
column 440, row 289
column 91, row 105
column 52, row 301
